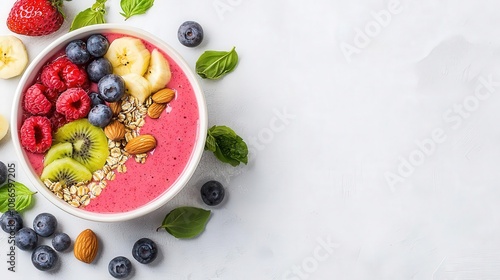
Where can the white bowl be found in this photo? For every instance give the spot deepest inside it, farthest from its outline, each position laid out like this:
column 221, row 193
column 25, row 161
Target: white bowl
column 28, row 78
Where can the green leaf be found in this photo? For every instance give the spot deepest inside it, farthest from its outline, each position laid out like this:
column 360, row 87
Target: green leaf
column 186, row 222
column 215, row 64
column 16, row 193
column 90, row 16
column 210, row 144
column 229, row 147
column 135, row 7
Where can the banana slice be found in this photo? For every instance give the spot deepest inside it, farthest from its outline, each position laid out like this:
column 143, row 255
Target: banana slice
column 137, row 86
column 4, row 127
column 158, row 73
column 13, row 57
column 128, row 55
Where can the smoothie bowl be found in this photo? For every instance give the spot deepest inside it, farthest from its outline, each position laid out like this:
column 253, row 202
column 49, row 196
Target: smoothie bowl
column 113, row 134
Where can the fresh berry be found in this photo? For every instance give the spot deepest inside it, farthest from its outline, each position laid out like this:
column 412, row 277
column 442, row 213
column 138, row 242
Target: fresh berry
column 3, row 173
column 96, row 99
column 44, row 258
column 74, row 104
column 36, row 134
column 57, row 120
column 97, row 45
column 190, row 34
column 26, row 239
column 98, row 69
column 45, row 224
column 120, row 267
column 35, row 17
column 111, row 87
column 61, row 74
column 11, row 221
column 61, row 242
column 76, row 51
column 75, row 76
column 145, row 250
column 212, row 193
column 100, row 115
column 35, row 102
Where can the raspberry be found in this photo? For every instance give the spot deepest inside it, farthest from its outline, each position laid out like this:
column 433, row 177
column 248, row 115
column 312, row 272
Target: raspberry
column 74, row 76
column 74, row 104
column 57, row 120
column 36, row 134
column 35, row 102
column 62, row 74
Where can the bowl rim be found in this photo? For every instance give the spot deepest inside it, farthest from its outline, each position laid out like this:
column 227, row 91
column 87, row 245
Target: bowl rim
column 192, row 162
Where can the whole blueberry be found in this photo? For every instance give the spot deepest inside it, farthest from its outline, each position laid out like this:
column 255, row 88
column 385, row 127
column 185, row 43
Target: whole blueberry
column 96, row 99
column 11, row 221
column 97, row 45
column 111, row 87
column 190, row 34
column 145, row 250
column 100, row 115
column 212, row 193
column 76, row 51
column 120, row 267
column 44, row 258
column 26, row 239
column 99, row 68
column 3, row 173
column 61, row 242
column 45, row 224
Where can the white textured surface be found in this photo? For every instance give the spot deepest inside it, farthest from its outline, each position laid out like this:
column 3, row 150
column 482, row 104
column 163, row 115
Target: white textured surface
column 318, row 176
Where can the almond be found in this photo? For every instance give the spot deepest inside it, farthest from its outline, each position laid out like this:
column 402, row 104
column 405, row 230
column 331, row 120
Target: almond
column 164, row 95
column 116, row 107
column 115, row 130
column 86, row 246
column 155, row 110
column 140, row 144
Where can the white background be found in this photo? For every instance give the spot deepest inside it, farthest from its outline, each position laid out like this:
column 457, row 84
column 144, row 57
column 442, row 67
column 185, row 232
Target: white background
column 326, row 128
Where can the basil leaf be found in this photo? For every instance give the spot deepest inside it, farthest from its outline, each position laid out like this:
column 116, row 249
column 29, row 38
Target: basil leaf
column 215, row 64
column 90, row 16
column 135, row 7
column 229, row 147
column 210, row 144
column 185, row 222
column 17, row 192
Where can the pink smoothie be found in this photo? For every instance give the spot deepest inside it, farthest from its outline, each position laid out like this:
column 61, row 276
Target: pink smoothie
column 175, row 131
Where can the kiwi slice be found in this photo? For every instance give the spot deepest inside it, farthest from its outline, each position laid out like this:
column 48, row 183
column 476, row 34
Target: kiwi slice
column 58, row 151
column 90, row 144
column 67, row 171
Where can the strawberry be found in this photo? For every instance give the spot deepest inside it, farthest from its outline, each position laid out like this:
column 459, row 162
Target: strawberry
column 35, row 17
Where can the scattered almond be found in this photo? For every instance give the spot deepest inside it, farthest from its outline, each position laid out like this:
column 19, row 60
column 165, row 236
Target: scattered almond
column 115, row 107
column 140, row 144
column 115, row 130
column 164, row 95
column 155, row 110
column 86, row 246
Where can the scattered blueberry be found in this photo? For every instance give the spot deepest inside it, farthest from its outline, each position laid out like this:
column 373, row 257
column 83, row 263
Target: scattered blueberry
column 111, row 87
column 212, row 193
column 44, row 258
column 26, row 239
column 145, row 250
column 45, row 224
column 3, row 173
column 100, row 115
column 11, row 221
column 98, row 69
column 190, row 34
column 76, row 51
column 96, row 99
column 97, row 45
column 120, row 267
column 61, row 242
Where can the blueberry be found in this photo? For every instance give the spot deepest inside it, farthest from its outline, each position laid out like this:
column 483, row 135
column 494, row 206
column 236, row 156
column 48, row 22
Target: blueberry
column 100, row 115
column 97, row 45
column 3, row 173
column 111, row 87
column 98, row 69
column 61, row 242
column 145, row 250
column 76, row 51
column 212, row 193
column 45, row 224
column 120, row 267
column 96, row 99
column 26, row 239
column 190, row 34
column 11, row 221
column 44, row 258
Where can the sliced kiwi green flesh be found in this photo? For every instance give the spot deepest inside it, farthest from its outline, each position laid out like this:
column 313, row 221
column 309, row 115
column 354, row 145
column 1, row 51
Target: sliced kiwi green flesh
column 57, row 151
column 67, row 171
column 90, row 144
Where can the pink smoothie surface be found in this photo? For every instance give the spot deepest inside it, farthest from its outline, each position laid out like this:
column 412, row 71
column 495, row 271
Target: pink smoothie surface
column 175, row 132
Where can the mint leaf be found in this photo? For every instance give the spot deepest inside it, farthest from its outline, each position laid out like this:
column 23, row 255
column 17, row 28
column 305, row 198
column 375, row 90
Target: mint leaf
column 185, row 222
column 135, row 7
column 215, row 64
column 226, row 145
column 16, row 193
column 90, row 16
